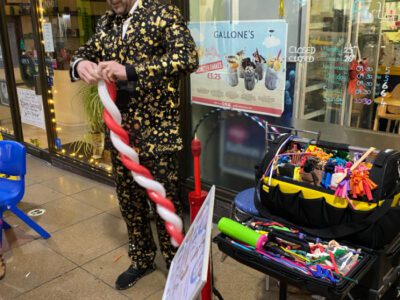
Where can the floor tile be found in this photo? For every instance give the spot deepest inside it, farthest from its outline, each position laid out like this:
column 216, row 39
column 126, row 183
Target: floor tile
column 100, row 197
column 29, row 182
column 89, row 239
column 30, row 266
column 115, row 212
column 59, row 214
column 156, row 296
column 38, row 194
column 233, row 284
column 41, row 174
column 15, row 237
column 77, row 284
column 69, row 185
column 34, row 162
column 109, row 266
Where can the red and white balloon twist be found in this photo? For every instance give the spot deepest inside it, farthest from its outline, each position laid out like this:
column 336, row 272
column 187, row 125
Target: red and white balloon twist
column 130, row 159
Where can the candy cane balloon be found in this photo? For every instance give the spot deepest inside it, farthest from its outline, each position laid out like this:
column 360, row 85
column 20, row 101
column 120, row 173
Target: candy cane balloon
column 130, row 159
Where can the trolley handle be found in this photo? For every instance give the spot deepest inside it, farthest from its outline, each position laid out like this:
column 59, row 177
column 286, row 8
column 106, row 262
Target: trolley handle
column 330, row 145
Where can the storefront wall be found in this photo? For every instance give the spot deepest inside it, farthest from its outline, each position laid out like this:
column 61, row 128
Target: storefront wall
column 322, row 91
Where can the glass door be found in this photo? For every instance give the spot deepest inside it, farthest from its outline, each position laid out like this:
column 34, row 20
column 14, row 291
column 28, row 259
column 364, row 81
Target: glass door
column 325, row 71
column 25, row 64
column 341, row 41
column 6, row 124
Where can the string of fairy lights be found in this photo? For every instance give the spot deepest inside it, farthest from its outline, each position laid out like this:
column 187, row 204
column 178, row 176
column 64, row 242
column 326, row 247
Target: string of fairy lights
column 51, row 93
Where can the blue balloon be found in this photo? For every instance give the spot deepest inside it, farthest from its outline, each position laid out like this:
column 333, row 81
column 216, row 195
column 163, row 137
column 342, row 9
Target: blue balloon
column 288, row 85
column 292, row 75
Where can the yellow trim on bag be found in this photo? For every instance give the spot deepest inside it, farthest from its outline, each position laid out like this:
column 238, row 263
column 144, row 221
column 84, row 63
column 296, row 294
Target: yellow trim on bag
column 311, row 194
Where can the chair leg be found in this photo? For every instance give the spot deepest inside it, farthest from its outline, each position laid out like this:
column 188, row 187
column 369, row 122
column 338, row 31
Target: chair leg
column 19, row 213
column 1, row 233
column 267, row 283
column 389, row 124
column 376, row 122
column 6, row 225
column 1, row 229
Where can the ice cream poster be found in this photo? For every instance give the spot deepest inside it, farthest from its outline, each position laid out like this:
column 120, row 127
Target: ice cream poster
column 242, row 65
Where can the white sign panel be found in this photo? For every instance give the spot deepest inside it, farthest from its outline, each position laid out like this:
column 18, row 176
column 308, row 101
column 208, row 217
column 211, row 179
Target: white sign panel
column 31, row 108
column 188, row 272
column 48, row 37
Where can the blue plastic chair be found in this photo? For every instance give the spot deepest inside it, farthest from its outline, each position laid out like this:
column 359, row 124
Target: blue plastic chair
column 244, row 204
column 13, row 163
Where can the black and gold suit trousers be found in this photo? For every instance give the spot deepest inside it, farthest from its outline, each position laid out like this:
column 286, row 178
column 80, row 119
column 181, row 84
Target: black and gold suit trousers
column 134, row 203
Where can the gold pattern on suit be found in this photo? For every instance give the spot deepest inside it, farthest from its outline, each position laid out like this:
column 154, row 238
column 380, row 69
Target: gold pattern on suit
column 159, row 46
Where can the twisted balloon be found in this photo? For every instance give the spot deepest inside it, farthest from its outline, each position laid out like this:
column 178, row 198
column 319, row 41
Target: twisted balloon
column 130, row 159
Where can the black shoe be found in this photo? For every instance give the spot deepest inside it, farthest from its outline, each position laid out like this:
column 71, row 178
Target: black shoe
column 131, row 276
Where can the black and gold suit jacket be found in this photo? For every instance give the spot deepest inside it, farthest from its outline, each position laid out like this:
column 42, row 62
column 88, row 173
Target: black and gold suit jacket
column 156, row 49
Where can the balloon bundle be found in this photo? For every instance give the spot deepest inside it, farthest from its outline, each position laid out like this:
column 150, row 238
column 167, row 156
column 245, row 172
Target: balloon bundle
column 329, row 169
column 130, row 159
column 293, row 249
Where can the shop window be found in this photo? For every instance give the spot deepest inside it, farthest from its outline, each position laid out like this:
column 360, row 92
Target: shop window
column 235, row 141
column 25, row 67
column 342, row 76
column 353, row 67
column 77, row 108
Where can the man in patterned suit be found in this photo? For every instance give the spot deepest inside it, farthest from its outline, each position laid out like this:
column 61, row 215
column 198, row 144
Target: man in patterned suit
column 144, row 47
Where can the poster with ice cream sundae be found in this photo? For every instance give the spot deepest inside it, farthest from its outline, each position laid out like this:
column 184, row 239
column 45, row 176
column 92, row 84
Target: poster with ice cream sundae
column 242, row 65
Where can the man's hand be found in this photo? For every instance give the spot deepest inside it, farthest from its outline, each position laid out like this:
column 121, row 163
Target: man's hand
column 87, row 71
column 112, row 71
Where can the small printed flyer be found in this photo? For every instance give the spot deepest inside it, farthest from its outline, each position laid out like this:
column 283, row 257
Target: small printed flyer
column 242, row 65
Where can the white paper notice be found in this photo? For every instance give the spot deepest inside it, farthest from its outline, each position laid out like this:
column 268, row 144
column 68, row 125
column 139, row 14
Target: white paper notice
column 188, row 272
column 48, row 37
column 31, row 108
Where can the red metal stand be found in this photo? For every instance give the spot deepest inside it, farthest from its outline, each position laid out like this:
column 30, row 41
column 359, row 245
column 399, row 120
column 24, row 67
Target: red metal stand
column 196, row 199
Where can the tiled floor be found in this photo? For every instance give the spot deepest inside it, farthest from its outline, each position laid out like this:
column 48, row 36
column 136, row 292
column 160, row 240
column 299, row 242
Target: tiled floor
column 88, row 247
